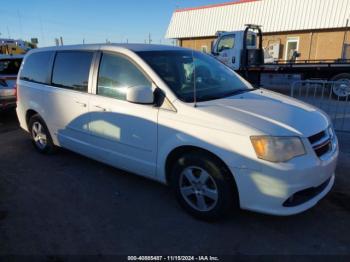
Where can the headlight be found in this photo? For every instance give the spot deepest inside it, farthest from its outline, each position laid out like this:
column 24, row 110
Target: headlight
column 277, row 149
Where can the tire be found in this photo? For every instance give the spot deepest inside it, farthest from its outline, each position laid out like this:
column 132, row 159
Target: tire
column 40, row 134
column 211, row 194
column 339, row 91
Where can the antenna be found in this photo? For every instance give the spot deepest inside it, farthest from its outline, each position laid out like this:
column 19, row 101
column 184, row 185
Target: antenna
column 193, row 62
column 194, row 82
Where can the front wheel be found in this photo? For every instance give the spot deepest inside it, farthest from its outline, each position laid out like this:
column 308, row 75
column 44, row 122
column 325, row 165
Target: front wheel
column 203, row 186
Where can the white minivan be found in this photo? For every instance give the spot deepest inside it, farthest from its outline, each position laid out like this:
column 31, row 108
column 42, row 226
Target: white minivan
column 182, row 118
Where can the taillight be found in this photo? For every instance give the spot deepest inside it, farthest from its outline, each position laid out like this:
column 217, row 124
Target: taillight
column 16, row 91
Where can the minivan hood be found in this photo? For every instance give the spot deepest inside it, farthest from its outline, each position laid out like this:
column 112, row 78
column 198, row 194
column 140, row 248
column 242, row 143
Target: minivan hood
column 268, row 112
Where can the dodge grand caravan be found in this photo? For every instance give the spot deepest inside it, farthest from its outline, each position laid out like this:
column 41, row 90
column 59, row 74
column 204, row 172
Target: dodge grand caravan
column 182, row 118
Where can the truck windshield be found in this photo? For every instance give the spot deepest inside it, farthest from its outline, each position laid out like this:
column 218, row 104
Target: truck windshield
column 182, row 72
column 10, row 66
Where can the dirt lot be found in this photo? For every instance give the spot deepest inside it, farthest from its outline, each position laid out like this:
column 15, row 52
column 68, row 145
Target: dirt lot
column 67, row 204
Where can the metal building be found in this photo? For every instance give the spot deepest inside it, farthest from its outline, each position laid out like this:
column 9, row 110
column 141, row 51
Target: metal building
column 317, row 29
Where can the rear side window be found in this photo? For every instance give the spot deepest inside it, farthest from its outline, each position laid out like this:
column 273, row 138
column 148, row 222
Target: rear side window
column 71, row 70
column 10, row 66
column 116, row 74
column 37, row 67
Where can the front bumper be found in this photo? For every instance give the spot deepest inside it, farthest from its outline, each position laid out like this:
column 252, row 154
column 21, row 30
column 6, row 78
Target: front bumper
column 273, row 188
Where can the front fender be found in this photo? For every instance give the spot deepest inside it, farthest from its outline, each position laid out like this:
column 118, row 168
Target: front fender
column 231, row 148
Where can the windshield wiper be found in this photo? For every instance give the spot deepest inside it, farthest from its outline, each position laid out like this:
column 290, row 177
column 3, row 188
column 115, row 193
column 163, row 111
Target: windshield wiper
column 219, row 96
column 238, row 92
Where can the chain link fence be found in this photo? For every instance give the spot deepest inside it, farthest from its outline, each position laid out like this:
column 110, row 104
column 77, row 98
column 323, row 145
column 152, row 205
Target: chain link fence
column 333, row 97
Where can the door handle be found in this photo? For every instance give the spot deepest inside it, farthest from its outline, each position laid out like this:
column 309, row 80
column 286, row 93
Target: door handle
column 80, row 103
column 101, row 108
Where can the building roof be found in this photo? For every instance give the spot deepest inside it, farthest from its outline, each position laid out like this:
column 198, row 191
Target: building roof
column 273, row 15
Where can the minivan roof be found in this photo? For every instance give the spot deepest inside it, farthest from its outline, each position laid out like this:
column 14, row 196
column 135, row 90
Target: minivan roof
column 132, row 47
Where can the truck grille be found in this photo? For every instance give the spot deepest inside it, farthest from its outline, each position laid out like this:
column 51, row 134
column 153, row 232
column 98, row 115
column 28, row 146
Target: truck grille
column 321, row 143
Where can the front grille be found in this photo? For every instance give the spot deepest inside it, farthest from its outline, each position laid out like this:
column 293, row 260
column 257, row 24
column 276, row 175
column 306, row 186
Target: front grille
column 321, row 143
column 313, row 139
column 323, row 149
column 305, row 195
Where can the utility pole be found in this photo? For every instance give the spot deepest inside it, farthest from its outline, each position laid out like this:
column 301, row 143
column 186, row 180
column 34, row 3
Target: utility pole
column 8, row 32
column 344, row 40
column 20, row 23
column 149, row 38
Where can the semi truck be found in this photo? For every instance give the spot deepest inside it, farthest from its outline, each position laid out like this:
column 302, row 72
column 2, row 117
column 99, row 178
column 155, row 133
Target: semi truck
column 243, row 52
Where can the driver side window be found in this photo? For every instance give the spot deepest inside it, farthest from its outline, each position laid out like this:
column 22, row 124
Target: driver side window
column 226, row 42
column 116, row 74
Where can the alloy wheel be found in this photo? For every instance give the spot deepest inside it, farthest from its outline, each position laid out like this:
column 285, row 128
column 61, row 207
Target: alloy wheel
column 198, row 188
column 39, row 135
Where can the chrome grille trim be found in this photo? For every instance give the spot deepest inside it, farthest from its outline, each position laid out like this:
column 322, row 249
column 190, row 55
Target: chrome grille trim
column 321, row 143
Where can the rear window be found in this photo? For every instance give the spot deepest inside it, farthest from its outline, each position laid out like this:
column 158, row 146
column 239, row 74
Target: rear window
column 71, row 70
column 10, row 66
column 37, row 67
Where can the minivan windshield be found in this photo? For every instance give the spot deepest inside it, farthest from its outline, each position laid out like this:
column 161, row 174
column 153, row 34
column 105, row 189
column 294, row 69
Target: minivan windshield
column 185, row 71
column 10, row 66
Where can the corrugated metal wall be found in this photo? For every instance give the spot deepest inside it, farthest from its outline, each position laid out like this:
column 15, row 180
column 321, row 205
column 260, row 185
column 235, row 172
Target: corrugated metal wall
column 273, row 15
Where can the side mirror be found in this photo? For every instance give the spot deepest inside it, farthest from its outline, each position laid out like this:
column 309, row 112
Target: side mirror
column 140, row 95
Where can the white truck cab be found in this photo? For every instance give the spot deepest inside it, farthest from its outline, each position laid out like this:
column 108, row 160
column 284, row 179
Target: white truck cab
column 243, row 52
column 228, row 47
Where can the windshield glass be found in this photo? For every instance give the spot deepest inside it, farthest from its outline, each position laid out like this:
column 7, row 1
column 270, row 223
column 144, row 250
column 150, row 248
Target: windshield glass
column 182, row 72
column 10, row 66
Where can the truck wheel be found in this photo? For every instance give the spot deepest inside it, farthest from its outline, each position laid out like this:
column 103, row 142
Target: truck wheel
column 341, row 89
column 41, row 137
column 203, row 187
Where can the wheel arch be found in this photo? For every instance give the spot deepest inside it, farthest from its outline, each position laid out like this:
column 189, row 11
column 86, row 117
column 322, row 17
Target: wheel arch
column 29, row 114
column 180, row 150
column 340, row 75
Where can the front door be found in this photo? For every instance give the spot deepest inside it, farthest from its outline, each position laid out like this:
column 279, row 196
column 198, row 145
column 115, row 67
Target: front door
column 123, row 134
column 226, row 52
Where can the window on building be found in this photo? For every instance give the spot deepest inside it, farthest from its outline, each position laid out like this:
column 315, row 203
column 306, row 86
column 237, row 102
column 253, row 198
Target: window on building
column 36, row 67
column 226, row 42
column 292, row 47
column 116, row 74
column 71, row 70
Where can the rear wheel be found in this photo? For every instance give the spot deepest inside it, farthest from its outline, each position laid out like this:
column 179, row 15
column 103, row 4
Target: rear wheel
column 203, row 186
column 41, row 138
column 341, row 89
